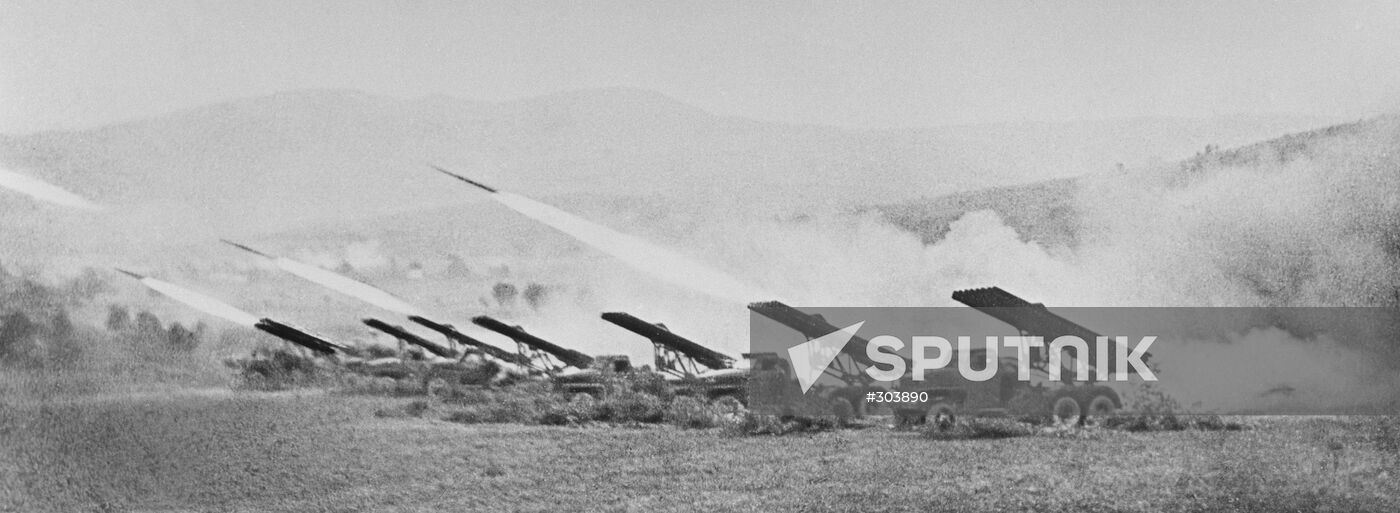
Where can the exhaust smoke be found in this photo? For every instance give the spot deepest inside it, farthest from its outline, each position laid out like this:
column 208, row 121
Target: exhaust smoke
column 44, row 191
column 198, row 301
column 657, row 261
column 342, row 284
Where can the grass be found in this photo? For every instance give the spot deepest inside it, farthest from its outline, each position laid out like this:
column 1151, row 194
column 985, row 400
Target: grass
column 298, row 452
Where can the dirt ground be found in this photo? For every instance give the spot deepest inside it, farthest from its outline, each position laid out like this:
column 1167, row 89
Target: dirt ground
column 237, row 451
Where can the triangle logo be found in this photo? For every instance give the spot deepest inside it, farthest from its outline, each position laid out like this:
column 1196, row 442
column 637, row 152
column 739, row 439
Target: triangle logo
column 811, row 358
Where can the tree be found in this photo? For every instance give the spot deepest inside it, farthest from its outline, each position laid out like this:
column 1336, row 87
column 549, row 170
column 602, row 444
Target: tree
column 88, row 285
column 181, row 339
column 535, row 295
column 456, row 267
column 118, row 318
column 16, row 336
column 504, row 293
column 148, row 328
column 63, row 335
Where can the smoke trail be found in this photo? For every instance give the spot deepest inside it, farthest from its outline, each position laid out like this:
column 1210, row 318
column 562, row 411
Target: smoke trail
column 201, row 302
column 347, row 286
column 44, row 191
column 660, row 262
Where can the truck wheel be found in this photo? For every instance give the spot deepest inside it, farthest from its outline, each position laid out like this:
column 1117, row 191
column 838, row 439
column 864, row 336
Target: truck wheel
column 843, row 411
column 859, row 407
column 582, row 399
column 729, row 408
column 1065, row 411
column 1098, row 409
column 941, row 416
column 907, row 419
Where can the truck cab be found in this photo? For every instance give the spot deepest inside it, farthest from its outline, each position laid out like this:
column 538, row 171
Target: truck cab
column 594, row 381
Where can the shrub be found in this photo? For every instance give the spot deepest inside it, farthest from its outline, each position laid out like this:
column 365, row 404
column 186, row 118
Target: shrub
column 630, row 407
column 493, row 469
column 471, row 415
column 753, row 424
column 569, row 414
column 390, row 413
column 982, row 428
column 280, row 369
column 417, row 408
column 1154, row 410
column 692, row 413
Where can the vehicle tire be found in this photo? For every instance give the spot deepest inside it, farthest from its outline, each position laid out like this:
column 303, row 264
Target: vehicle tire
column 859, row 407
column 842, row 409
column 582, row 399
column 1065, row 411
column 941, row 416
column 1099, row 408
column 729, row 408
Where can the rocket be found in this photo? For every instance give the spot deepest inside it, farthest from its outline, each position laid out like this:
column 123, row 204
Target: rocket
column 451, row 332
column 404, row 335
column 520, row 336
column 334, row 281
column 129, row 273
column 246, row 248
column 297, row 336
column 483, row 186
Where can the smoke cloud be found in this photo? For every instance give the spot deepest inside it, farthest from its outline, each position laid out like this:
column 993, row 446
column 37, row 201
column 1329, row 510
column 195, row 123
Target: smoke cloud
column 41, row 190
column 201, row 302
column 347, row 286
column 1307, row 221
column 657, row 261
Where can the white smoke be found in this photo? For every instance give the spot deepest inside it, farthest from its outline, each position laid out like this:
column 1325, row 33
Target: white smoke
column 1270, row 369
column 44, row 191
column 323, row 259
column 363, row 255
column 366, row 255
column 201, row 302
column 1319, row 228
column 347, row 286
column 659, row 262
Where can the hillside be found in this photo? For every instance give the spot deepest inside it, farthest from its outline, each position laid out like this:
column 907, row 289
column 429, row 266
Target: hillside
column 1046, row 211
column 296, row 159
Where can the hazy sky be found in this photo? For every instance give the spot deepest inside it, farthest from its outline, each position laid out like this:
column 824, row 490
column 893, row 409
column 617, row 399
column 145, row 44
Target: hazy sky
column 863, row 64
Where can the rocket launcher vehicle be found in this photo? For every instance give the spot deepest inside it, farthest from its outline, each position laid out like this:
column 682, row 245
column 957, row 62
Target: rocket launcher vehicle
column 404, row 335
column 535, row 348
column 675, row 354
column 447, row 330
column 1032, row 320
column 848, row 369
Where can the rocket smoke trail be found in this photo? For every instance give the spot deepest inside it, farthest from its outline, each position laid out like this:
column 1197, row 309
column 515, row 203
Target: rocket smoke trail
column 197, row 301
column 657, row 261
column 337, row 282
column 42, row 190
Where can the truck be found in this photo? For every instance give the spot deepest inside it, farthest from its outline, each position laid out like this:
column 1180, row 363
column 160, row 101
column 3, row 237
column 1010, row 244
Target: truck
column 1064, row 402
column 848, row 367
column 450, row 367
column 574, row 374
column 690, row 368
column 949, row 394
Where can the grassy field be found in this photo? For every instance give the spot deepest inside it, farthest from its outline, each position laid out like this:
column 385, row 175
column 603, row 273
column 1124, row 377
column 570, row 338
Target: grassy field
column 224, row 451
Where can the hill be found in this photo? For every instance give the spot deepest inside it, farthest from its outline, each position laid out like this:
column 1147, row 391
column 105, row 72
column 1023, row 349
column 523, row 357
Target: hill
column 296, row 159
